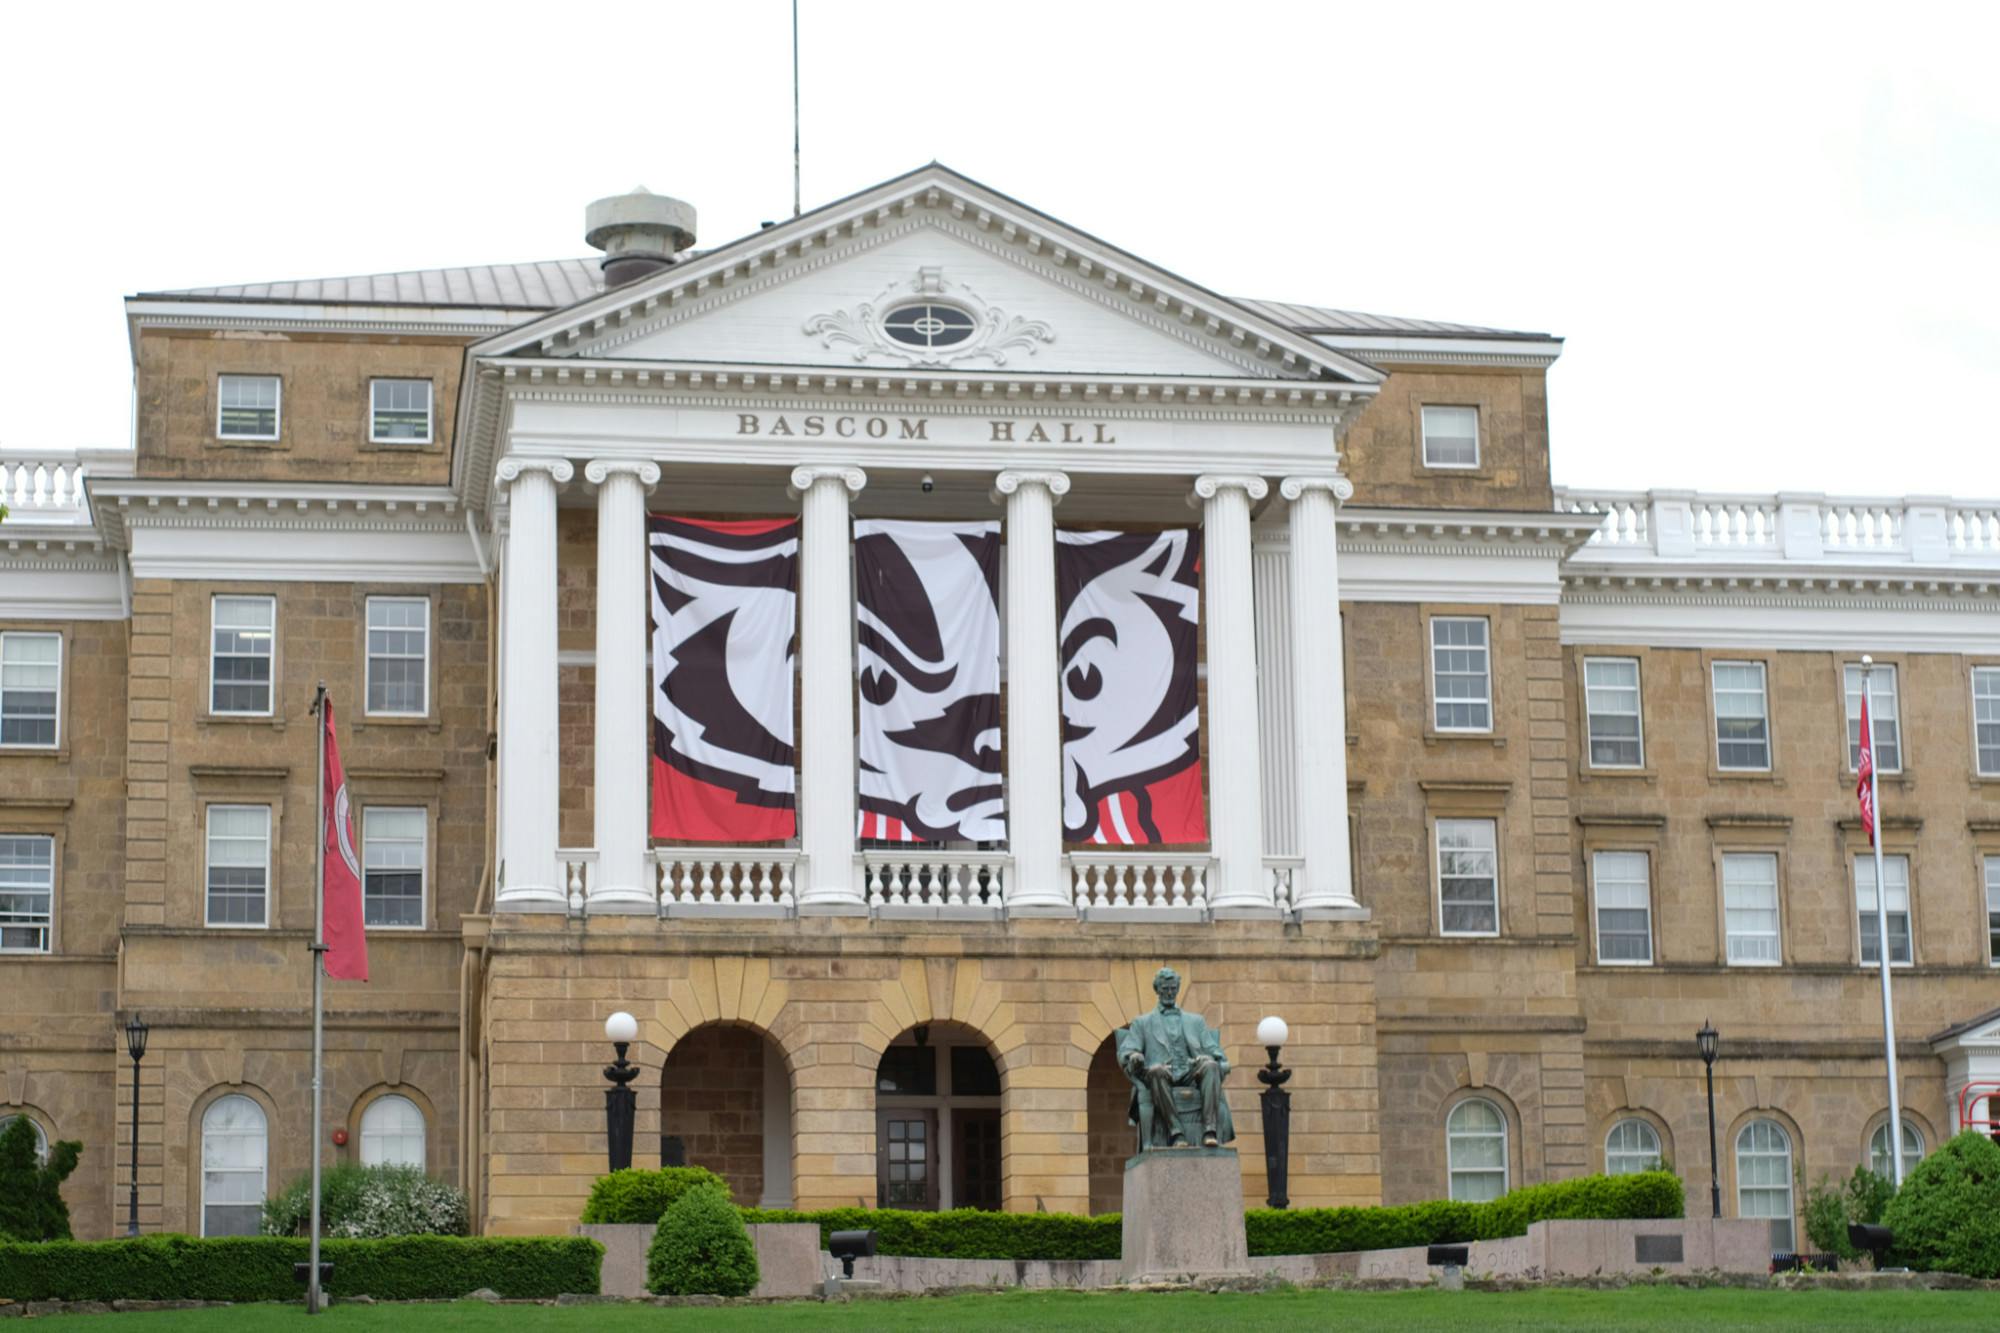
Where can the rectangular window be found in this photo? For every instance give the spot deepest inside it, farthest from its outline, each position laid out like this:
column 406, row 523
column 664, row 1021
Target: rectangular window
column 1895, row 874
column 242, row 639
column 1468, row 877
column 1611, row 712
column 1742, row 726
column 1993, row 910
column 1986, row 720
column 30, row 683
column 1882, row 712
column 239, row 865
column 1451, row 436
column 246, row 407
column 399, row 637
column 392, row 860
column 1624, row 907
column 27, row 892
column 1461, row 680
column 399, row 411
column 1750, row 908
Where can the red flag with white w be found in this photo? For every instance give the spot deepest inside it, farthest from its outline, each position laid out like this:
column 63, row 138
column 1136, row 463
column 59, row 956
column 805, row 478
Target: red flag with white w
column 346, row 940
column 1864, row 788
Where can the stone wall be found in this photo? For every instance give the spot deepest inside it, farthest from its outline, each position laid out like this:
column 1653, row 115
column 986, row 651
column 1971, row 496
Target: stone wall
column 1383, row 450
column 712, row 1096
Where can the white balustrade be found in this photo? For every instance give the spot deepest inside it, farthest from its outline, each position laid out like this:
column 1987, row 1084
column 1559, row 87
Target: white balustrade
column 1685, row 525
column 1974, row 527
column 1863, row 525
column 39, row 489
column 1285, row 873
column 1126, row 885
column 1736, row 521
column 1626, row 515
column 930, row 882
column 726, row 881
column 578, row 867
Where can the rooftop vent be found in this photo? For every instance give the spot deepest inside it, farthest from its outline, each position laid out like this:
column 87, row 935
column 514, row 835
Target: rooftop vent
column 640, row 233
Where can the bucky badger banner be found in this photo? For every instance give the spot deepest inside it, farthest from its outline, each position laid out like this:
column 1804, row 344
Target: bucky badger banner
column 1128, row 619
column 725, row 601
column 928, row 602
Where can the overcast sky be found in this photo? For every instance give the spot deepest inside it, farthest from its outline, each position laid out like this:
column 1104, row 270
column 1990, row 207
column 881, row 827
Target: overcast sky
column 1771, row 235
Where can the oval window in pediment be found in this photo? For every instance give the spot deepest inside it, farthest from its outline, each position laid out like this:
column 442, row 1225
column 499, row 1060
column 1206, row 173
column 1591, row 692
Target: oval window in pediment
column 928, row 324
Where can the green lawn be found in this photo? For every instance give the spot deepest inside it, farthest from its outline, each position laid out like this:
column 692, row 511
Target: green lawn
column 1708, row 1309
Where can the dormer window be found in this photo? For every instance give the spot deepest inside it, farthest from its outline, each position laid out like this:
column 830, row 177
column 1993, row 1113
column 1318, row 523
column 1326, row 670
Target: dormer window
column 925, row 324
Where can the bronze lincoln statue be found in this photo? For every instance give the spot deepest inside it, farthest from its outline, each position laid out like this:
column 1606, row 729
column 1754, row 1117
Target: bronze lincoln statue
column 1176, row 1065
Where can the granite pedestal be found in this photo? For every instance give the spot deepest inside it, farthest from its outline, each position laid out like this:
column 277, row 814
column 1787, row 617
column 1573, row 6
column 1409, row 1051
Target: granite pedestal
column 1183, row 1216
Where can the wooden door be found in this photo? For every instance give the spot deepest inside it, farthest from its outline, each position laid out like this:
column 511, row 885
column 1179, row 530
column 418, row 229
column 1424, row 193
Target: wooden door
column 906, row 1158
column 976, row 1156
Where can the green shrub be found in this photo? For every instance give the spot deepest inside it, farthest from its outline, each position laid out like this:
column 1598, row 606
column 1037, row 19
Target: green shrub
column 1946, row 1218
column 31, row 1201
column 634, row 1195
column 259, row 1268
column 1862, row 1197
column 369, row 1203
column 701, row 1248
column 964, row 1233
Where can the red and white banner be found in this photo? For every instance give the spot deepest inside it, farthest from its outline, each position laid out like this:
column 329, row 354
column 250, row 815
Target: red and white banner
column 342, row 928
column 725, row 610
column 1128, row 618
column 1864, row 787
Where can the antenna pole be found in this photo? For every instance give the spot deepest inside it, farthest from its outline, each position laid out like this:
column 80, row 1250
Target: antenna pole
column 795, row 108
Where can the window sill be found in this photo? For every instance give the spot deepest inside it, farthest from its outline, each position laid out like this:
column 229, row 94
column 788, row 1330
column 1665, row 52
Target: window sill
column 275, row 721
column 367, row 720
column 240, row 442
column 59, row 753
column 403, row 446
column 1720, row 776
column 1649, row 776
column 1498, row 742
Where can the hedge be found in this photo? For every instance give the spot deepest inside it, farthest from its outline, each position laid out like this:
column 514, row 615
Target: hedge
column 639, row 1195
column 259, row 1268
column 970, row 1234
column 1944, row 1217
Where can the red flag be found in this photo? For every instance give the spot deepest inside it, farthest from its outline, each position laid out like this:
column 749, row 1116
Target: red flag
column 346, row 956
column 1864, row 788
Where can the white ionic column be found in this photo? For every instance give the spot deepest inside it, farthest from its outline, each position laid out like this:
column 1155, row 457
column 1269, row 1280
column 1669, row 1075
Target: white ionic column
column 622, row 882
column 826, row 692
column 530, row 748
column 1319, row 696
column 1241, row 887
column 1034, row 702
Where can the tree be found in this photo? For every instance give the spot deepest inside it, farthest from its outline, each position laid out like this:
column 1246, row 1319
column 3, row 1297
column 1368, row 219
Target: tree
column 31, row 1201
column 1943, row 1218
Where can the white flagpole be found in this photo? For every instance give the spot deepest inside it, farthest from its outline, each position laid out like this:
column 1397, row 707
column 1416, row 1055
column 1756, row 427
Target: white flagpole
column 314, row 1296
column 1882, row 927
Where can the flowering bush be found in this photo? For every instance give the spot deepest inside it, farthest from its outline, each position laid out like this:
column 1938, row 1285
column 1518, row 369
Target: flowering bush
column 369, row 1202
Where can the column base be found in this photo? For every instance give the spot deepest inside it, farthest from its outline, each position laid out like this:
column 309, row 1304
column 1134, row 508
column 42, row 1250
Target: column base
column 532, row 898
column 621, row 902
column 834, row 907
column 1335, row 911
column 1244, row 912
column 1043, row 908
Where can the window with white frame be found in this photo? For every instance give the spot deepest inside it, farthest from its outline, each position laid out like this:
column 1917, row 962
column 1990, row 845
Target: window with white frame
column 392, row 860
column 1475, row 1137
column 1750, row 907
column 233, row 1155
column 399, row 411
column 30, row 688
column 27, row 892
column 1611, row 712
column 239, row 865
column 1632, row 1145
column 1461, row 674
column 1468, row 877
column 1986, row 720
column 1451, row 436
column 399, row 654
column 1764, row 1178
column 1742, row 722
column 1624, row 907
column 1882, row 713
column 1993, row 910
column 392, row 1133
column 41, row 1135
column 246, row 407
column 243, row 642
column 1882, row 1163
column 1896, row 875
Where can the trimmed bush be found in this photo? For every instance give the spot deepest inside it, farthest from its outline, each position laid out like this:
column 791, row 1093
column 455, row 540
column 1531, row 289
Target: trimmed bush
column 259, row 1268
column 31, row 1201
column 1946, row 1218
column 633, row 1195
column 964, row 1233
column 701, row 1248
column 369, row 1203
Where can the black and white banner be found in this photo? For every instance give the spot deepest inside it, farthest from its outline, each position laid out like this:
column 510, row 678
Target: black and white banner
column 928, row 604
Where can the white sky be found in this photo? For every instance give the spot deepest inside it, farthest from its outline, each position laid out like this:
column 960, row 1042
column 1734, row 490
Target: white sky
column 1771, row 234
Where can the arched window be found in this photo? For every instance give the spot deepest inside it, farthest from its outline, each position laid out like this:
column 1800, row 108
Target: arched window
column 1475, row 1137
column 392, row 1133
column 1880, row 1160
column 41, row 1135
column 1764, row 1178
column 233, row 1134
column 1632, row 1145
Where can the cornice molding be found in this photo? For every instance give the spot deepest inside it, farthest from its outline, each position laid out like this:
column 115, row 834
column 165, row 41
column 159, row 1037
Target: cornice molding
column 407, row 328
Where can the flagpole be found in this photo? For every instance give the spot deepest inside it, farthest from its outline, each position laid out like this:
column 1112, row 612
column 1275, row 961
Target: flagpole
column 1882, row 921
column 313, row 1294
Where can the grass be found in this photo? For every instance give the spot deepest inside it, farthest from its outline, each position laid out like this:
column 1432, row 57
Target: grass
column 1709, row 1309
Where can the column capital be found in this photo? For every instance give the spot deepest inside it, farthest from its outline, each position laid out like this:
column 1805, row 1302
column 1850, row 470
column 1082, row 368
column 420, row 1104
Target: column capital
column 512, row 469
column 600, row 470
column 1336, row 485
column 1013, row 479
column 1211, row 484
column 806, row 476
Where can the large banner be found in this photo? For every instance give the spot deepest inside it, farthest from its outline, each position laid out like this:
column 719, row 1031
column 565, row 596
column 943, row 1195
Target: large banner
column 725, row 603
column 1127, row 612
column 928, row 607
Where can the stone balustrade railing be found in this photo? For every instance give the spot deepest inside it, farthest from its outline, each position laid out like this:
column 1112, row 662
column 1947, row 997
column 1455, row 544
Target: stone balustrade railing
column 1123, row 884
column 726, row 881
column 928, row 882
column 43, row 489
column 1282, row 872
column 1681, row 525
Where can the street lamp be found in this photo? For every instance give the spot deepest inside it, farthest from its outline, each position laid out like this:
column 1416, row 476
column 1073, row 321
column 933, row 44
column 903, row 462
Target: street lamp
column 1708, row 1039
column 620, row 1102
column 1277, row 1103
column 135, row 1042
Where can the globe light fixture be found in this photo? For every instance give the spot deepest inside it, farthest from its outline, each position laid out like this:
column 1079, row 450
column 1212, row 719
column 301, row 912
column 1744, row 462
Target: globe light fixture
column 1277, row 1107
column 621, row 1028
column 621, row 1104
column 1272, row 1031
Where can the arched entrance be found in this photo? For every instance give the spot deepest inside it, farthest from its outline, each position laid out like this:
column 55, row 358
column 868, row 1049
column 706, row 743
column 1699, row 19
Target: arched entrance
column 937, row 1120
column 1111, row 1135
column 726, row 1104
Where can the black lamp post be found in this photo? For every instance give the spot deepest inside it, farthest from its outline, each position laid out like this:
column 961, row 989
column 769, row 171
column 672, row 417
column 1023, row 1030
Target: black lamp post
column 1708, row 1039
column 135, row 1042
column 1277, row 1103
column 620, row 1102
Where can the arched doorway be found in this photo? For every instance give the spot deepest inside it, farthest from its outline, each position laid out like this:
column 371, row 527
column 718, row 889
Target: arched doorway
column 726, row 1104
column 937, row 1120
column 1112, row 1136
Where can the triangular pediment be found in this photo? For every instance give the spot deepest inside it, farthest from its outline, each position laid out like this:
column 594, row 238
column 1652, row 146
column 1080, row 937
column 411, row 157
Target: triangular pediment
column 930, row 271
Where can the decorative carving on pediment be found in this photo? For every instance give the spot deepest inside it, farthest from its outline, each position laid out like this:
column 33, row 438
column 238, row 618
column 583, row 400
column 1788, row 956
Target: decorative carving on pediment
column 930, row 320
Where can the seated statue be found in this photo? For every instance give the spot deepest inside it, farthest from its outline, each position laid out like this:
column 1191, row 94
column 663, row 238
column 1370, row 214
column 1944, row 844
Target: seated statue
column 1176, row 1065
